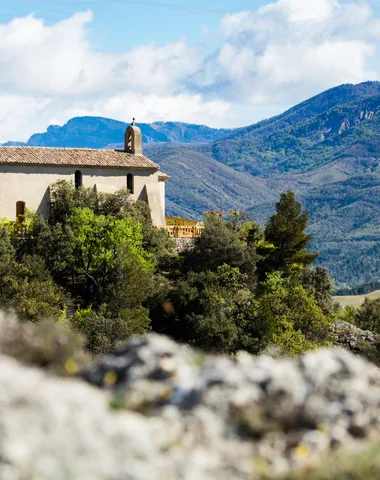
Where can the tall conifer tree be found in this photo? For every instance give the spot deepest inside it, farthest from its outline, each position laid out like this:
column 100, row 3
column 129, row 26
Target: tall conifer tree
column 285, row 231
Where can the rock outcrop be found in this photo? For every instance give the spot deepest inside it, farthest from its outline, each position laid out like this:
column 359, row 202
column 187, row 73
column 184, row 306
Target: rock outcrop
column 358, row 341
column 158, row 410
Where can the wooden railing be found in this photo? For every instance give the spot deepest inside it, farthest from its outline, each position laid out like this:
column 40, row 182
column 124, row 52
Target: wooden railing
column 176, row 231
column 178, row 227
column 180, row 222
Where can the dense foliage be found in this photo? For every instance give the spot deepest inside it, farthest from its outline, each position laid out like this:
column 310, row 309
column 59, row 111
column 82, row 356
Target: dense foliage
column 242, row 288
column 97, row 263
column 368, row 316
column 92, row 260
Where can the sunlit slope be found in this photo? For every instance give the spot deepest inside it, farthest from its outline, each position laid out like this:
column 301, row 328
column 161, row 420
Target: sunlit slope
column 356, row 300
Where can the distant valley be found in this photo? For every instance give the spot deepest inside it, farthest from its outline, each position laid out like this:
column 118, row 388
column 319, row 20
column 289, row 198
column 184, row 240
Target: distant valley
column 326, row 149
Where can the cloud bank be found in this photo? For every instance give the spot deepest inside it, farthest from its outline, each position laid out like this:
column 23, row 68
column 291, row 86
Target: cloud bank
column 267, row 60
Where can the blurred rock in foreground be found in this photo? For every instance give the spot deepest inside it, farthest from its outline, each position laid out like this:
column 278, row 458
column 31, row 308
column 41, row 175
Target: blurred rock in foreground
column 165, row 411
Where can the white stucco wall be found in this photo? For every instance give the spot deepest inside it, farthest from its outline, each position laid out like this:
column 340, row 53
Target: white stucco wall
column 30, row 184
column 162, row 189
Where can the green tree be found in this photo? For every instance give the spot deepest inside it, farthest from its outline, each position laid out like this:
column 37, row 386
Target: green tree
column 297, row 322
column 320, row 284
column 36, row 295
column 222, row 244
column 285, row 230
column 368, row 315
column 26, row 287
column 65, row 199
column 105, row 245
column 217, row 246
column 214, row 311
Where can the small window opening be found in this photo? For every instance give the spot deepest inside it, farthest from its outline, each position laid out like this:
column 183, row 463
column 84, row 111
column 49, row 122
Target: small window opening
column 20, row 211
column 130, row 182
column 78, row 179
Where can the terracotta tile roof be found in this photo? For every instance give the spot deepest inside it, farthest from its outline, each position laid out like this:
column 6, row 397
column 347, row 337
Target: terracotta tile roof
column 75, row 157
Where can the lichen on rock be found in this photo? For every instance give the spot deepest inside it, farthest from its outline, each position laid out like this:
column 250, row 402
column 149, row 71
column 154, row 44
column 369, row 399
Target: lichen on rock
column 156, row 409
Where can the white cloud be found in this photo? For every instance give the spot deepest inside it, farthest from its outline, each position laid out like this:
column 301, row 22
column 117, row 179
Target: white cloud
column 59, row 61
column 147, row 107
column 21, row 115
column 291, row 49
column 268, row 59
column 303, row 10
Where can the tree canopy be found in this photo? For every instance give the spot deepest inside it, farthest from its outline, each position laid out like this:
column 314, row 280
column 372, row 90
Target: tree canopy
column 97, row 262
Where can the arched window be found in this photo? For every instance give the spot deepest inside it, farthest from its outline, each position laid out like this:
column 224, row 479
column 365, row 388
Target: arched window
column 20, row 211
column 130, row 182
column 78, row 179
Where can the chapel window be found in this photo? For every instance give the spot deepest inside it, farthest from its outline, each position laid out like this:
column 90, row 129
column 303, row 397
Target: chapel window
column 130, row 183
column 20, row 211
column 78, row 179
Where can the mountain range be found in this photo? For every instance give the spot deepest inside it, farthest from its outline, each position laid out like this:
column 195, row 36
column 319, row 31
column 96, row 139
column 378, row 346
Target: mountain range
column 326, row 149
column 99, row 132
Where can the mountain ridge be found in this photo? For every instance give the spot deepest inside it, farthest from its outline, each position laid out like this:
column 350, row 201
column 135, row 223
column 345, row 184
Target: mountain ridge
column 101, row 132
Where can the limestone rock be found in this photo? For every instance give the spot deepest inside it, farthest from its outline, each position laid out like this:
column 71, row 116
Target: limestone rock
column 179, row 414
column 357, row 341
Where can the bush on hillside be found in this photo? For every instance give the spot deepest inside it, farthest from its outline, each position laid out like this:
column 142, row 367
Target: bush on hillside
column 104, row 332
column 215, row 311
column 298, row 323
column 26, row 286
column 368, row 315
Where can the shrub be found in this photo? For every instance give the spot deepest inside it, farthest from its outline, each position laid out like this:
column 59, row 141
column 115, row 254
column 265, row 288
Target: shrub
column 368, row 315
column 104, row 332
column 47, row 344
column 297, row 322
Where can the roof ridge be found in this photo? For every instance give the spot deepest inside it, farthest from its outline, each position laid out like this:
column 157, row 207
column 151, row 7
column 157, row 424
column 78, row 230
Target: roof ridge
column 69, row 156
column 63, row 148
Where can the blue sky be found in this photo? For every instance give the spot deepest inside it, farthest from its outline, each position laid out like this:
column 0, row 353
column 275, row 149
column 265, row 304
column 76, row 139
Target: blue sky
column 119, row 24
column 222, row 63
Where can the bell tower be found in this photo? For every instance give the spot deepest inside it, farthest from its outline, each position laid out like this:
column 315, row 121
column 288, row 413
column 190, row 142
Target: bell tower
column 133, row 139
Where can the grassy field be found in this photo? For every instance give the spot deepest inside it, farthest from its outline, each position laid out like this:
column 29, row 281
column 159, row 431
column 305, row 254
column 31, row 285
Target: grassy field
column 356, row 300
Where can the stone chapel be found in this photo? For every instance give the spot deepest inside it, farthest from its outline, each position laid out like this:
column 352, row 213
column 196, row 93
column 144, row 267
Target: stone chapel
column 26, row 174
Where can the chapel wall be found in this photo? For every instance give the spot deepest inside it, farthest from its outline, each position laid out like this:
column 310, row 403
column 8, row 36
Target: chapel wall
column 30, row 184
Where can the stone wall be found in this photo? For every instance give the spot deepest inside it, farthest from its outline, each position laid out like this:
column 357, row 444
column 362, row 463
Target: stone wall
column 184, row 244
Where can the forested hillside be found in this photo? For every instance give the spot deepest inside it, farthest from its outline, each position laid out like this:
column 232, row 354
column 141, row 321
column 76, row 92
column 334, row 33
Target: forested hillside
column 339, row 121
column 345, row 226
column 200, row 183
